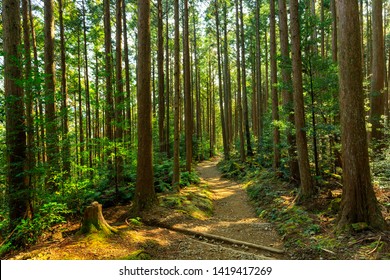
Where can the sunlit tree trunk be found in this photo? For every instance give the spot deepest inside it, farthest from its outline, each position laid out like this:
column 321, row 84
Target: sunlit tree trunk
column 244, row 91
column 128, row 118
column 50, row 89
column 187, row 90
column 287, row 95
column 144, row 191
column 358, row 203
column 160, row 69
column 226, row 150
column 239, row 99
column 18, row 191
column 28, row 94
column 64, row 94
column 307, row 188
column 119, row 99
column 378, row 76
column 167, row 91
column 176, row 143
column 274, row 90
column 109, row 115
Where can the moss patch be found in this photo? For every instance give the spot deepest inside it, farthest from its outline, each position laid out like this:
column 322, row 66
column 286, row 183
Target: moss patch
column 195, row 201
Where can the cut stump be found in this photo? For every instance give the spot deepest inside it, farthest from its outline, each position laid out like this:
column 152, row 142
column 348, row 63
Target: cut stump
column 94, row 221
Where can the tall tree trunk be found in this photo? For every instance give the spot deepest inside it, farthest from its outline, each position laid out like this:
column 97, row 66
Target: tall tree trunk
column 176, row 143
column 80, row 107
column 109, row 104
column 127, row 76
column 307, row 188
column 51, row 121
column 108, row 71
column 187, row 90
column 274, row 90
column 239, row 100
column 167, row 127
column 40, row 126
column 322, row 29
column 358, row 203
column 287, row 95
column 18, row 192
column 144, row 192
column 378, row 78
column 226, row 150
column 87, row 91
column 244, row 91
column 227, row 84
column 198, row 116
column 64, row 95
column 334, row 30
column 160, row 69
column 119, row 99
column 96, row 126
column 28, row 94
column 260, row 100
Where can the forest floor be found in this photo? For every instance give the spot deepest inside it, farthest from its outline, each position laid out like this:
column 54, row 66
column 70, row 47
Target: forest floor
column 217, row 207
column 216, row 220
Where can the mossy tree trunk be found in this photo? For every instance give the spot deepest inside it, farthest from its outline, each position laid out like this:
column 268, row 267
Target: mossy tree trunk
column 94, row 221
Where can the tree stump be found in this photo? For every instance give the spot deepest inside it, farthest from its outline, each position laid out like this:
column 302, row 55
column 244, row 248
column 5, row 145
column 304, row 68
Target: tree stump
column 94, row 221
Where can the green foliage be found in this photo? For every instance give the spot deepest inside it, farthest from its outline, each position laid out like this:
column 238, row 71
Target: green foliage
column 163, row 176
column 28, row 231
column 135, row 221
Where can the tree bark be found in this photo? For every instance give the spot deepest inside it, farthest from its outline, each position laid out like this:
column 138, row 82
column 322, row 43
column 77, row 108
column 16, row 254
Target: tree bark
column 187, row 90
column 245, row 112
column 88, row 128
column 109, row 115
column 334, row 30
column 226, row 150
column 127, row 105
column 144, row 192
column 64, row 95
column 260, row 100
column 160, row 69
column 176, row 140
column 358, row 203
column 274, row 90
column 378, row 77
column 287, row 95
column 167, row 91
column 239, row 99
column 28, row 94
column 119, row 99
column 51, row 121
column 307, row 188
column 18, row 191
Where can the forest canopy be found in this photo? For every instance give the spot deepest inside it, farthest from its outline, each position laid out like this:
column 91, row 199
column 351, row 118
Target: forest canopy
column 115, row 101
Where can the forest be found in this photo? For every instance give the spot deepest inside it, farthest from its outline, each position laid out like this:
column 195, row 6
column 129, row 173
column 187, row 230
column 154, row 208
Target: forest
column 216, row 129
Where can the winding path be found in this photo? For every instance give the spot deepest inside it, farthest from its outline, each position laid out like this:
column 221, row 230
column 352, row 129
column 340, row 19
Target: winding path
column 234, row 218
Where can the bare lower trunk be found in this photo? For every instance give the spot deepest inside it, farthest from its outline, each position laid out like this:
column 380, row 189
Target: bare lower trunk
column 307, row 188
column 359, row 203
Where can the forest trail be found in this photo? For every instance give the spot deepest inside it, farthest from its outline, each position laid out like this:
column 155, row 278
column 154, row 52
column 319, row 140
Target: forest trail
column 233, row 218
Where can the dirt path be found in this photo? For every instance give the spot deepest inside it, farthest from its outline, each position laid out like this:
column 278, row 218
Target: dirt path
column 233, row 217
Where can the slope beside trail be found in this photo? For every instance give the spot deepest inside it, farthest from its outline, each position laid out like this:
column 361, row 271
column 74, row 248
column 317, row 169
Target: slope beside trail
column 233, row 217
